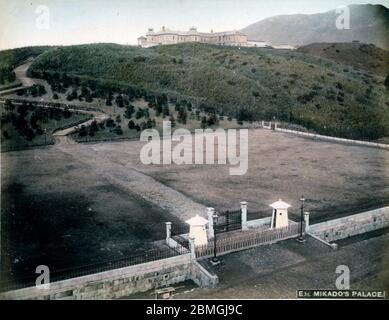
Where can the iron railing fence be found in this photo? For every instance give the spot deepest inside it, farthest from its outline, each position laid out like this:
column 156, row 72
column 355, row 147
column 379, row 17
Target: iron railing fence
column 246, row 240
column 253, row 215
column 179, row 233
column 63, row 274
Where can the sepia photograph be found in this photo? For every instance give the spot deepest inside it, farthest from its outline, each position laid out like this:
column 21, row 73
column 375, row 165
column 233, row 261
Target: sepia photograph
column 203, row 152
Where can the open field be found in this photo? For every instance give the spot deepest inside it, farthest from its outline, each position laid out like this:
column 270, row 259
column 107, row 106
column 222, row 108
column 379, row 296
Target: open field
column 336, row 179
column 62, row 213
column 74, row 204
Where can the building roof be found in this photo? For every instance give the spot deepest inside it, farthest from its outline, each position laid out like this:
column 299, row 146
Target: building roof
column 280, row 205
column 192, row 31
column 197, row 221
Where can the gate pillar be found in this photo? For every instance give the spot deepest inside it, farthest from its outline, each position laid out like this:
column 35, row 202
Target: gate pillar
column 211, row 232
column 243, row 209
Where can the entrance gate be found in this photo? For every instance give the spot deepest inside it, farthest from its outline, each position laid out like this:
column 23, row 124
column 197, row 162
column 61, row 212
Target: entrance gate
column 229, row 221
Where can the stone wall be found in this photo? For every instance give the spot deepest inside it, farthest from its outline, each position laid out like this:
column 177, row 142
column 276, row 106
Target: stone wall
column 345, row 227
column 122, row 282
column 329, row 138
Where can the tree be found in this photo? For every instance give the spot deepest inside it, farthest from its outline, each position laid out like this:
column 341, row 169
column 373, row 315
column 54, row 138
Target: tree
column 118, row 130
column 182, row 116
column 110, row 123
column 82, row 132
column 172, row 121
column 129, row 111
column 165, row 111
column 212, row 120
column 67, row 113
column 93, row 126
column 149, row 124
column 139, row 114
column 143, row 125
column 119, row 101
column 131, row 125
column 203, row 122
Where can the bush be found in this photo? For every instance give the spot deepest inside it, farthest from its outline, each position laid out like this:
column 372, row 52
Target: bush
column 131, row 125
column 82, row 132
column 118, row 130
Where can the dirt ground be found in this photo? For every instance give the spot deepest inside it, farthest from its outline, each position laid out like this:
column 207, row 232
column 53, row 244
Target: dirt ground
column 62, row 213
column 75, row 204
column 336, row 179
column 279, row 270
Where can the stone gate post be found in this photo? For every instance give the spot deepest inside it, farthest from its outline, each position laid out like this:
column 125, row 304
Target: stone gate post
column 243, row 209
column 168, row 232
column 192, row 248
column 306, row 220
column 211, row 212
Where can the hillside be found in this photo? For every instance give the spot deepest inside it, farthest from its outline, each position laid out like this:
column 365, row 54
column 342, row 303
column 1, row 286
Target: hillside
column 9, row 59
column 358, row 55
column 369, row 24
column 248, row 83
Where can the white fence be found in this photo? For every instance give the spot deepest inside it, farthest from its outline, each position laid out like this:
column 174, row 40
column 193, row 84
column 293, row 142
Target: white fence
column 318, row 136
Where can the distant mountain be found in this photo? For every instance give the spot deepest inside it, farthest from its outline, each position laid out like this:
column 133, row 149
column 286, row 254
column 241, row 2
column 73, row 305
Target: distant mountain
column 368, row 24
column 355, row 54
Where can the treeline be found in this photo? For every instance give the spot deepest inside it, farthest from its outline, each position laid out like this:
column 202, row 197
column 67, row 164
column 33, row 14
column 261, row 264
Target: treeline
column 28, row 119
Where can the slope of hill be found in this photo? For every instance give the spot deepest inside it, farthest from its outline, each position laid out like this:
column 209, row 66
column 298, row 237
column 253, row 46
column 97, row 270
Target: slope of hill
column 9, row 59
column 248, row 83
column 368, row 24
column 358, row 55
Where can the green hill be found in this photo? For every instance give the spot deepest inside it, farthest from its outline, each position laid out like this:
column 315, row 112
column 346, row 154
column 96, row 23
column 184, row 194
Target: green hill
column 249, row 83
column 9, row 59
column 359, row 55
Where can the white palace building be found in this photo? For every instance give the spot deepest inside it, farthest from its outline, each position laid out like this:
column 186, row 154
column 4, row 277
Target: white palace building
column 166, row 36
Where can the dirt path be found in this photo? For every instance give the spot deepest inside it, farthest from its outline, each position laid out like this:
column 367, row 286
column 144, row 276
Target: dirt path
column 21, row 74
column 129, row 179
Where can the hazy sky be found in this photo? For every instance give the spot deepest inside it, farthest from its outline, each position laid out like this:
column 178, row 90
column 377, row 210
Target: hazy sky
column 24, row 23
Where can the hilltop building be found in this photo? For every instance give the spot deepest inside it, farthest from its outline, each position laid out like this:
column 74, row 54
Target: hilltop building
column 166, row 36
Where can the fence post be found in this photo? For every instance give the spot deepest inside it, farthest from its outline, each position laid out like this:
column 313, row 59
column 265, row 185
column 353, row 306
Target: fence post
column 306, row 220
column 243, row 210
column 168, row 232
column 211, row 232
column 192, row 248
